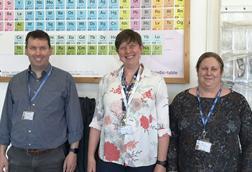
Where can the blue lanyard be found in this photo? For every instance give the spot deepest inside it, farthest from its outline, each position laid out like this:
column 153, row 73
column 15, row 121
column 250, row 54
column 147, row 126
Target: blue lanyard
column 40, row 86
column 205, row 119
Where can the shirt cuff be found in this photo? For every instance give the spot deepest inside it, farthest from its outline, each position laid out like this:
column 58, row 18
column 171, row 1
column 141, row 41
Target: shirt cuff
column 164, row 131
column 95, row 125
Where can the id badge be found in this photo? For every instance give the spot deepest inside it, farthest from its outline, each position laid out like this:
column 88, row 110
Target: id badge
column 126, row 130
column 27, row 115
column 203, row 145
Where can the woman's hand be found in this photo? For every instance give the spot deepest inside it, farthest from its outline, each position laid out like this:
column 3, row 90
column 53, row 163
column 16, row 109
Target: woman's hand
column 91, row 165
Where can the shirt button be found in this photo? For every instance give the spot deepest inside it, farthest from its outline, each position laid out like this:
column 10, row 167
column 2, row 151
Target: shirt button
column 29, row 131
column 33, row 104
column 29, row 144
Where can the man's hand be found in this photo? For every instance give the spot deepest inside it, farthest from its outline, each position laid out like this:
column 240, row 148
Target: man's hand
column 3, row 163
column 70, row 162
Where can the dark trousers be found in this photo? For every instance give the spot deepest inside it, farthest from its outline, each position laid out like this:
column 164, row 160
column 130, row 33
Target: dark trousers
column 21, row 161
column 112, row 167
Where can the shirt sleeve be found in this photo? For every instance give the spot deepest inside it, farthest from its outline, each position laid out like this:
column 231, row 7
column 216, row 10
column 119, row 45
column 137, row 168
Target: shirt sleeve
column 73, row 113
column 5, row 121
column 162, row 107
column 97, row 120
column 246, row 135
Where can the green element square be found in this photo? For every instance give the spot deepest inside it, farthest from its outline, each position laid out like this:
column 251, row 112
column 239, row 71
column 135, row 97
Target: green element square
column 19, row 50
column 156, row 49
column 60, row 49
column 53, row 49
column 81, row 50
column 112, row 50
column 91, row 49
column 19, row 26
column 147, row 50
column 71, row 50
column 102, row 49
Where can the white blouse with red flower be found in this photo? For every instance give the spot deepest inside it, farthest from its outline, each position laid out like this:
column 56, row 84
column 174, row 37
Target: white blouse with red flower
column 147, row 118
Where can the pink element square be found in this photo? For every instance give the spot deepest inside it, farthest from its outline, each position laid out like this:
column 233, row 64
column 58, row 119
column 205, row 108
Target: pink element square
column 135, row 25
column 9, row 5
column 9, row 15
column 1, row 26
column 135, row 3
column 135, row 14
column 9, row 26
column 1, row 15
column 1, row 4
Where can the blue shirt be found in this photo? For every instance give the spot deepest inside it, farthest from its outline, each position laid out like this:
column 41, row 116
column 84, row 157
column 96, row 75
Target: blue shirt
column 57, row 115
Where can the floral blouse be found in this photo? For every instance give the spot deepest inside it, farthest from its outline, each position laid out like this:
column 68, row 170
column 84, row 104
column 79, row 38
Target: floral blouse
column 229, row 129
column 146, row 117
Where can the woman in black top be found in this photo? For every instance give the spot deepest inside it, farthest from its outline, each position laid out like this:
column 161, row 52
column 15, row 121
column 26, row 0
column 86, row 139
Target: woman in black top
column 211, row 125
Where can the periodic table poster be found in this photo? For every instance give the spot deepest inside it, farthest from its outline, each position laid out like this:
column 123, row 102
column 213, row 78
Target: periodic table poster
column 83, row 34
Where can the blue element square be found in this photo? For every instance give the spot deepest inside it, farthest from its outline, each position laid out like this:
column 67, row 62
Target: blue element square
column 92, row 14
column 81, row 14
column 19, row 4
column 70, row 15
column 29, row 4
column 102, row 25
column 29, row 15
column 29, row 26
column 81, row 26
column 49, row 4
column 70, row 4
column 92, row 25
column 39, row 4
column 50, row 26
column 114, row 14
column 40, row 25
column 81, row 4
column 60, row 15
column 102, row 14
column 50, row 15
column 71, row 26
column 113, row 25
column 39, row 15
column 60, row 25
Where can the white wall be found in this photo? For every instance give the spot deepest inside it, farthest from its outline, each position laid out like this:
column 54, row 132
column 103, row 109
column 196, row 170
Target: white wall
column 203, row 37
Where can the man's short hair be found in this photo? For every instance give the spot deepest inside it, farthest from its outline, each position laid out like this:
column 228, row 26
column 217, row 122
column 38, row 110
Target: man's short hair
column 37, row 34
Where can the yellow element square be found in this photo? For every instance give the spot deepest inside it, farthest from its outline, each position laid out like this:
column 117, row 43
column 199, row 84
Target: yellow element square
column 124, row 4
column 168, row 13
column 157, row 3
column 125, row 24
column 179, row 13
column 179, row 25
column 179, row 3
column 168, row 3
column 169, row 25
column 124, row 14
column 157, row 25
column 157, row 13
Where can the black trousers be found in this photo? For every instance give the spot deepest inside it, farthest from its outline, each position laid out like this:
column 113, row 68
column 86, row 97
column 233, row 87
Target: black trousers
column 21, row 161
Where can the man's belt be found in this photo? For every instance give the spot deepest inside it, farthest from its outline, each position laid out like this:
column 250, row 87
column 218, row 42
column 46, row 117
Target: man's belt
column 36, row 152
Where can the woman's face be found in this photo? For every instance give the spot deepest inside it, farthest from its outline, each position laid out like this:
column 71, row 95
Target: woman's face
column 130, row 53
column 209, row 73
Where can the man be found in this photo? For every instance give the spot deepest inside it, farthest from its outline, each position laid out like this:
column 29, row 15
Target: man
column 41, row 112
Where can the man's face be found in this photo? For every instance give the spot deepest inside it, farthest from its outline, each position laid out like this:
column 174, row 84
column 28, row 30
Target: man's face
column 38, row 52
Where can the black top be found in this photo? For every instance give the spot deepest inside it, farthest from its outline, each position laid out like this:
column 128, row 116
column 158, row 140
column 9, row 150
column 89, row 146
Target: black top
column 230, row 122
